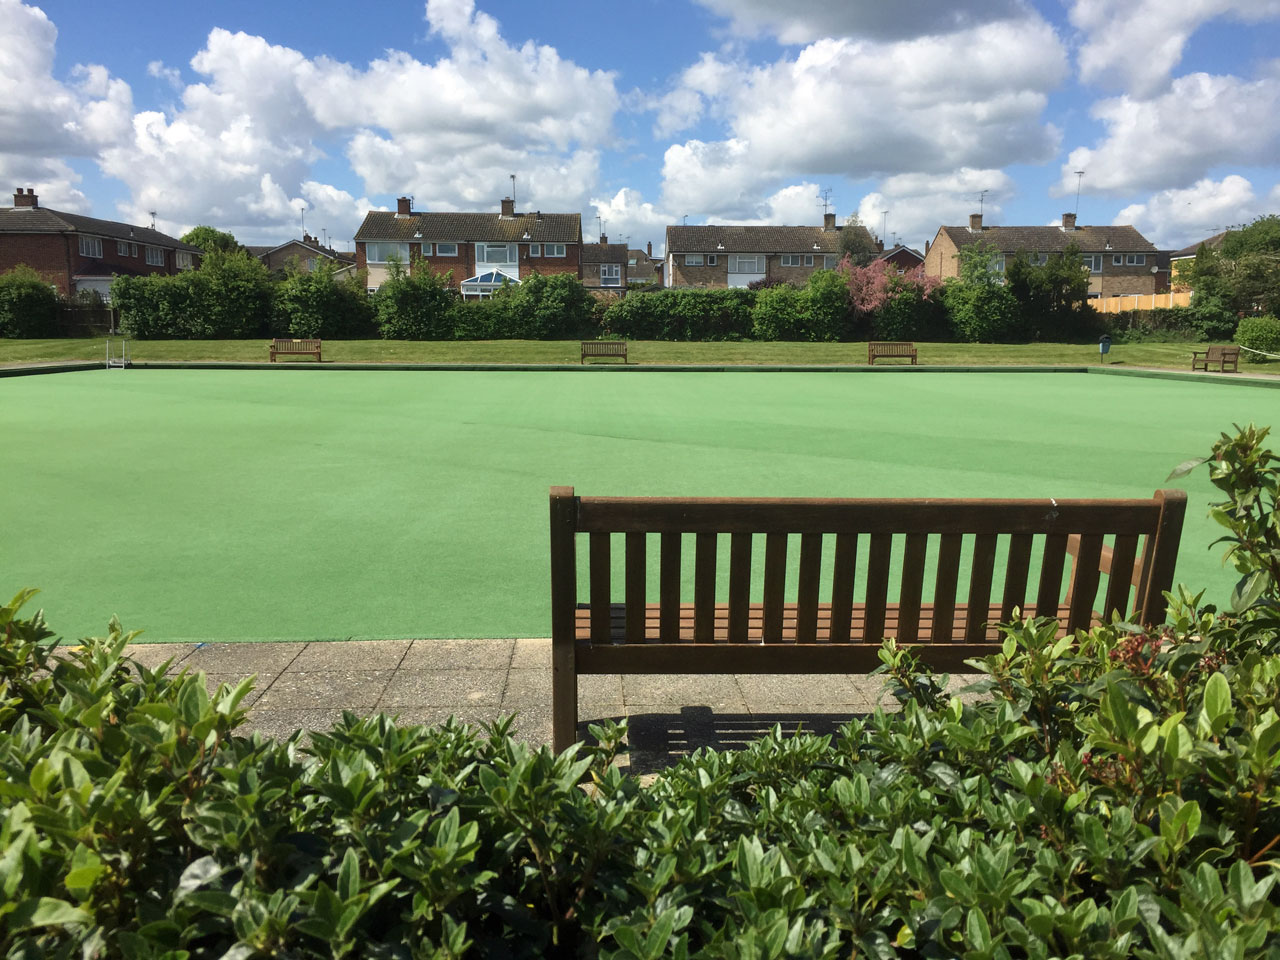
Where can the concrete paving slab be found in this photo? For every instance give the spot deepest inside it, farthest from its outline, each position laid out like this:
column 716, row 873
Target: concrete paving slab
column 280, row 724
column 243, row 658
column 213, row 680
column 443, row 688
column 530, row 653
column 427, row 655
column 799, row 688
column 326, row 689
column 527, row 688
column 719, row 690
column 151, row 655
column 351, row 655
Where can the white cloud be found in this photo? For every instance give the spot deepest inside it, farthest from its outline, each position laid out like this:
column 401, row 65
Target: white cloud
column 628, row 215
column 918, row 203
column 1176, row 218
column 806, row 22
column 1174, row 139
column 1137, row 45
column 170, row 75
column 858, row 109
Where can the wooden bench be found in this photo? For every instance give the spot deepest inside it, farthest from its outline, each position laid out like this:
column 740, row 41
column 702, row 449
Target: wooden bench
column 807, row 620
column 604, row 348
column 295, row 347
column 1219, row 355
column 890, row 348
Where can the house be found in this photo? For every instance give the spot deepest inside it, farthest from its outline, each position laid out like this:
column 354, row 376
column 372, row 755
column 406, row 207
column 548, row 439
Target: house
column 604, row 265
column 1121, row 261
column 642, row 268
column 306, row 253
column 79, row 254
column 724, row 256
column 902, row 258
column 1187, row 255
column 479, row 251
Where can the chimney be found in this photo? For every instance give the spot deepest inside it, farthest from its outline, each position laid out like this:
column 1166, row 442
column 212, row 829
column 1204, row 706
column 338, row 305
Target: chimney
column 879, row 246
column 404, row 206
column 28, row 199
column 975, row 222
column 828, row 221
column 648, row 249
column 926, row 247
column 1068, row 221
column 508, row 207
column 603, row 239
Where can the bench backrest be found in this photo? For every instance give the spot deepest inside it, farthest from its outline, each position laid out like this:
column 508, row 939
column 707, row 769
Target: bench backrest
column 1216, row 353
column 892, row 348
column 284, row 344
column 1135, row 541
column 604, row 348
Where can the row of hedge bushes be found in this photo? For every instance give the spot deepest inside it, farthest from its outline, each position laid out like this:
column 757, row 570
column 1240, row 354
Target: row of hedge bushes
column 234, row 296
column 1115, row 795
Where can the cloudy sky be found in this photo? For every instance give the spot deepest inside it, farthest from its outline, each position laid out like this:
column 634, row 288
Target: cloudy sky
column 251, row 116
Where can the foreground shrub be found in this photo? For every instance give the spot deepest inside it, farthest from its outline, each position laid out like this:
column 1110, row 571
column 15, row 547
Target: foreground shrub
column 415, row 305
column 1116, row 795
column 28, row 304
column 1261, row 334
column 229, row 297
column 697, row 315
column 315, row 304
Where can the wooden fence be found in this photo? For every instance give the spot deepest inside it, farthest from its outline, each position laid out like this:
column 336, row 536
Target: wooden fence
column 1143, row 301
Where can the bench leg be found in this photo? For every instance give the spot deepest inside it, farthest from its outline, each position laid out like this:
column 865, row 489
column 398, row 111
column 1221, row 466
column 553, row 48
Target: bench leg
column 564, row 704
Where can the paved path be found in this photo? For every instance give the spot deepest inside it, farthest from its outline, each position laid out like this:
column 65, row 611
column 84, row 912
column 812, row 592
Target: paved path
column 308, row 685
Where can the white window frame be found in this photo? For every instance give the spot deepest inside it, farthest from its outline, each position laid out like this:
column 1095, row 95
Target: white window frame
column 1136, row 260
column 90, row 246
column 791, row 259
column 610, row 274
column 446, row 249
column 553, row 250
column 693, row 259
column 1094, row 262
column 155, row 256
column 311, row 264
column 997, row 265
column 483, row 252
column 713, row 259
column 378, row 251
column 830, row 261
column 1117, row 259
column 535, row 249
column 426, row 249
column 757, row 263
column 182, row 259
column 126, row 248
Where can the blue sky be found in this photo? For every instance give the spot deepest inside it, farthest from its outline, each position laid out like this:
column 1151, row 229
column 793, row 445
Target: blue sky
column 252, row 116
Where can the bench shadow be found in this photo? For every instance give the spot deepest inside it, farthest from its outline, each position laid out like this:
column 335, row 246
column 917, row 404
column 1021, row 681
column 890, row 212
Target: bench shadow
column 660, row 740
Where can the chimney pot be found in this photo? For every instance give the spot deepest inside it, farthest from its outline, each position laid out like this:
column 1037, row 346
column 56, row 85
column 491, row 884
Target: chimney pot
column 975, row 222
column 1068, row 221
column 404, row 206
column 828, row 221
column 508, row 207
column 648, row 249
column 603, row 240
column 28, row 199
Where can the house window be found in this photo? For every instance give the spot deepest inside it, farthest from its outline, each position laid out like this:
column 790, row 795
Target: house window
column 311, row 264
column 535, row 249
column 426, row 249
column 183, row 260
column 712, row 259
column 155, row 257
column 610, row 274
column 384, row 252
column 553, row 249
column 1094, row 262
column 830, row 262
column 496, row 253
column 693, row 259
column 1117, row 259
column 126, row 249
column 1136, row 259
column 741, row 264
column 997, row 264
column 446, row 249
column 1038, row 259
column 791, row 260
column 90, row 247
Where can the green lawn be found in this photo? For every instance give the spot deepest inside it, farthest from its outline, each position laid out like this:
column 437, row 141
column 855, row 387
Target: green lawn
column 1174, row 356
column 239, row 505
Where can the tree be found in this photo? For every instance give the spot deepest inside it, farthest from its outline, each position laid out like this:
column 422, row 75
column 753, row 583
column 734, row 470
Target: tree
column 981, row 306
column 1052, row 297
column 856, row 242
column 28, row 304
column 210, row 239
column 1241, row 278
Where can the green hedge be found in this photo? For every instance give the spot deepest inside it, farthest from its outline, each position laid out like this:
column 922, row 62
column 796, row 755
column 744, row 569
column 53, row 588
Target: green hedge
column 28, row 304
column 1261, row 334
column 1113, row 795
column 229, row 297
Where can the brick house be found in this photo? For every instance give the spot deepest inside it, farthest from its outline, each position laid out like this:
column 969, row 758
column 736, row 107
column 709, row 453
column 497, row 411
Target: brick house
column 604, row 266
column 1120, row 259
column 79, row 254
column 306, row 253
column 479, row 250
column 724, row 256
column 642, row 268
column 902, row 258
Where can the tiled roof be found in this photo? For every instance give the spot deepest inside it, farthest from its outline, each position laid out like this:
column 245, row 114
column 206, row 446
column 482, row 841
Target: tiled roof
column 711, row 238
column 255, row 251
column 44, row 220
column 1054, row 239
column 604, row 253
column 901, row 248
column 312, row 247
column 1213, row 243
column 471, row 227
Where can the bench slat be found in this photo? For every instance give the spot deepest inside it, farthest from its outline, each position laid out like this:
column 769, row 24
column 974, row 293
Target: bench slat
column 1120, row 575
column 844, row 565
column 1084, row 586
column 775, row 584
column 945, row 585
column 598, row 559
column 1016, row 570
column 877, row 581
column 912, row 585
column 704, row 587
column 807, row 592
column 636, row 575
column 1052, row 562
column 984, row 561
column 739, row 585
column 669, row 585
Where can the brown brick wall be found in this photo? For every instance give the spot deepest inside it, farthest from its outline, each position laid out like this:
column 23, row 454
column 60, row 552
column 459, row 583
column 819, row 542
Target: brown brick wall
column 941, row 260
column 704, row 276
column 45, row 253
